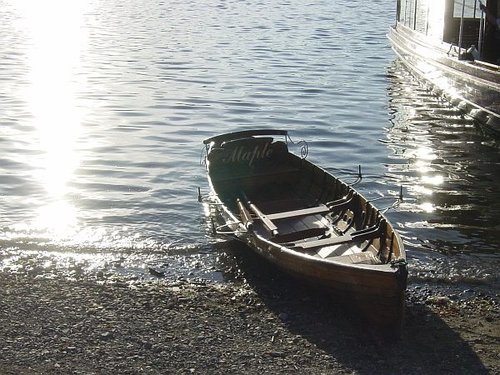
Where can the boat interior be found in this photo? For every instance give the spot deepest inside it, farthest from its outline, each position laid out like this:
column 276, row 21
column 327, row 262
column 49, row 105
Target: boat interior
column 291, row 202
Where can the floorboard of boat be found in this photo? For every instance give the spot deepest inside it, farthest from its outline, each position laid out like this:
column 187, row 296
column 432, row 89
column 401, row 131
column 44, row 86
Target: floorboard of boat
column 366, row 257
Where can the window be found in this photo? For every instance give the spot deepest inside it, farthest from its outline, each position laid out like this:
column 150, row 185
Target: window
column 470, row 9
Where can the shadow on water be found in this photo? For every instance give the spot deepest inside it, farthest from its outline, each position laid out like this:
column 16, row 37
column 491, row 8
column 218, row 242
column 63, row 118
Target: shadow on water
column 427, row 344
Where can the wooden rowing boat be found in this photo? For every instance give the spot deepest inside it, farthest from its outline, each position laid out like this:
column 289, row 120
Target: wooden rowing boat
column 306, row 221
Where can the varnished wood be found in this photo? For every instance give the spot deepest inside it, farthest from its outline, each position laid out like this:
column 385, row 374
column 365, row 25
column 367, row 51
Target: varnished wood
column 321, row 209
column 270, row 226
column 308, row 222
column 245, row 215
column 358, row 236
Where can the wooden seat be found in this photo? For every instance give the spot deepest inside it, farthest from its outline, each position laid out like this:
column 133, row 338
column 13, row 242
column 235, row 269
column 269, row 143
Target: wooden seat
column 272, row 228
column 318, row 210
column 268, row 219
column 300, row 235
column 357, row 236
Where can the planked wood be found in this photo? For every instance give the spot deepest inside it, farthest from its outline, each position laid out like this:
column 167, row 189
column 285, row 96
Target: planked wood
column 357, row 236
column 321, row 209
column 300, row 235
column 308, row 222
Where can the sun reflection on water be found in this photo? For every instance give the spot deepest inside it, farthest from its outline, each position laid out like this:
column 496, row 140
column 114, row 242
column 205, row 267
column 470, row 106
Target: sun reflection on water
column 57, row 36
column 58, row 218
column 433, row 180
column 423, row 158
column 427, row 207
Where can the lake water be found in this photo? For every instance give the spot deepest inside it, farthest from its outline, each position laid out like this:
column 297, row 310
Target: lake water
column 104, row 106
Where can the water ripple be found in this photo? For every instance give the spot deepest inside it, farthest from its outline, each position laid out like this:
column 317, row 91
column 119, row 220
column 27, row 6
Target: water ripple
column 101, row 125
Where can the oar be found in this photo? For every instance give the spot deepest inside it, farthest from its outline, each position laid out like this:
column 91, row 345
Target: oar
column 246, row 218
column 273, row 229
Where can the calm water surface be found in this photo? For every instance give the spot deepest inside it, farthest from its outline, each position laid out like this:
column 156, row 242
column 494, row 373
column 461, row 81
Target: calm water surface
column 104, row 105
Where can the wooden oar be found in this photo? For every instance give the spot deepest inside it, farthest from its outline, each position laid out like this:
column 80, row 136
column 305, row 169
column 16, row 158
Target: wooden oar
column 246, row 218
column 273, row 229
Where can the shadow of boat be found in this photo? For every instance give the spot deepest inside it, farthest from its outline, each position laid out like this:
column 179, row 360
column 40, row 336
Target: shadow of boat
column 427, row 344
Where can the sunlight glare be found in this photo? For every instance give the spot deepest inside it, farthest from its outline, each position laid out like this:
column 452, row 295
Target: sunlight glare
column 433, row 180
column 56, row 33
column 423, row 159
column 427, row 207
column 435, row 21
column 57, row 218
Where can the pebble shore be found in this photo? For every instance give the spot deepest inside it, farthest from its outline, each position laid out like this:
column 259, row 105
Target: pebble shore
column 96, row 326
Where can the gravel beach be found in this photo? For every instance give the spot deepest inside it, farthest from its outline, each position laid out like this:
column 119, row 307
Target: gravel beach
column 262, row 325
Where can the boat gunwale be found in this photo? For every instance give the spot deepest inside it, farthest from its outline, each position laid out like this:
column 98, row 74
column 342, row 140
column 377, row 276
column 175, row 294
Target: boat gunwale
column 454, row 63
column 484, row 113
column 244, row 134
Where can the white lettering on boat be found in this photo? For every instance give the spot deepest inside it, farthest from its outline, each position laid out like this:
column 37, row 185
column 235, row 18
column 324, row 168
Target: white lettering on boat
column 243, row 154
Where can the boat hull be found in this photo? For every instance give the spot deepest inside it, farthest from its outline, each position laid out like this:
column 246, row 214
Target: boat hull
column 473, row 87
column 378, row 295
column 337, row 240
